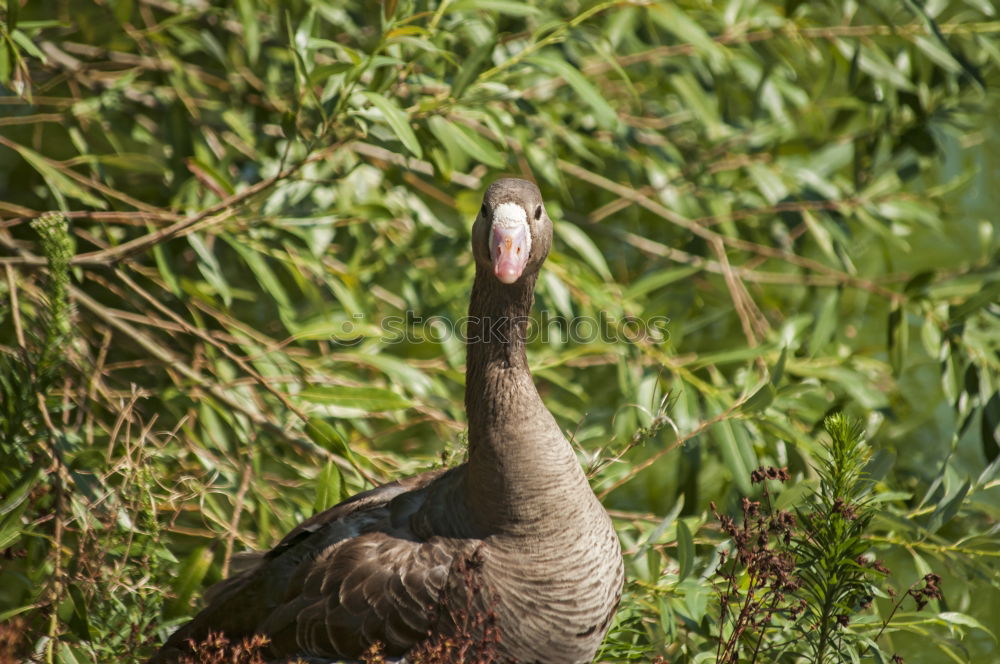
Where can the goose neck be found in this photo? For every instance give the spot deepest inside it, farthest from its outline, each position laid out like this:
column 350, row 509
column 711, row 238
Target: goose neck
column 520, row 466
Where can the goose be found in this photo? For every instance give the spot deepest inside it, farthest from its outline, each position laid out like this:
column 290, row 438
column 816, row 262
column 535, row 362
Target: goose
column 515, row 532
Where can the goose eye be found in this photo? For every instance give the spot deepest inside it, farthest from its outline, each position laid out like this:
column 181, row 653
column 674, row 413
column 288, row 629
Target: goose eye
column 484, row 211
column 538, row 213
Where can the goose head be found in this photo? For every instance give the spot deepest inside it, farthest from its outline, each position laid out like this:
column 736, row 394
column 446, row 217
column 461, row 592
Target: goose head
column 512, row 233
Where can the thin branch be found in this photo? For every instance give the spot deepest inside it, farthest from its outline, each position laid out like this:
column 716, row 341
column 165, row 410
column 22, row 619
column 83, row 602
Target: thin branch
column 625, row 191
column 701, row 428
column 32, row 119
column 234, row 522
column 752, row 320
column 82, row 179
column 126, row 218
column 204, row 336
column 790, row 30
column 224, row 209
column 175, row 363
column 469, row 180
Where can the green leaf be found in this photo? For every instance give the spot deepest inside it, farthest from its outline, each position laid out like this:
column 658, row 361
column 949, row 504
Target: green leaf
column 956, row 618
column 760, row 399
column 879, row 465
column 508, row 7
column 133, row 162
column 739, row 460
column 21, row 491
column 988, row 294
column 658, row 279
column 323, row 434
column 189, row 578
column 79, row 622
column 210, row 268
column 770, row 185
column 696, row 595
column 24, row 41
column 397, row 120
column 69, row 655
column 778, row 371
column 329, row 487
column 465, row 140
column 872, row 61
column 948, row 507
column 56, row 180
column 572, row 235
column 10, row 613
column 930, row 337
column 323, row 72
column 899, row 337
column 604, row 114
column 11, row 526
column 793, row 496
column 123, row 11
column 352, row 401
column 14, row 506
column 5, row 62
column 990, row 427
column 685, row 550
column 731, row 356
column 211, row 172
column 821, row 234
column 251, row 28
column 936, row 47
column 268, row 281
column 655, row 534
column 672, row 18
column 13, row 11
column 165, row 270
column 326, row 436
column 472, row 66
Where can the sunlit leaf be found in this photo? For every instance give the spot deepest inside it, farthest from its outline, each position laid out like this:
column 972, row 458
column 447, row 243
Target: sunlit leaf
column 467, row 141
column 965, row 620
column 604, row 114
column 583, row 245
column 509, row 7
column 355, row 399
column 397, row 121
column 189, row 578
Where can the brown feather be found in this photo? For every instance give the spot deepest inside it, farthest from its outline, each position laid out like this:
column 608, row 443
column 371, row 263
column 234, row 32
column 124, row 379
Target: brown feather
column 515, row 533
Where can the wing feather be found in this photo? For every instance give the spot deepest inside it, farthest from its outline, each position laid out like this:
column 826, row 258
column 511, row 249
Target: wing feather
column 338, row 582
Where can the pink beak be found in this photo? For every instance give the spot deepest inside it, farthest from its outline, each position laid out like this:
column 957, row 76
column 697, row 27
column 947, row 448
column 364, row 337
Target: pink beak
column 510, row 250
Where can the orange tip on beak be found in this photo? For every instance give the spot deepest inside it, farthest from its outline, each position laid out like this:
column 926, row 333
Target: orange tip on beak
column 509, row 249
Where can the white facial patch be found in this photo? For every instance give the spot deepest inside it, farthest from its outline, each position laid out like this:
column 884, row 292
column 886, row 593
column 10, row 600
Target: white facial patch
column 512, row 215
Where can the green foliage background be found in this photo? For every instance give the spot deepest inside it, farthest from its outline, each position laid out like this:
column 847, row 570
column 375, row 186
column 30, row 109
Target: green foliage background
column 807, row 191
